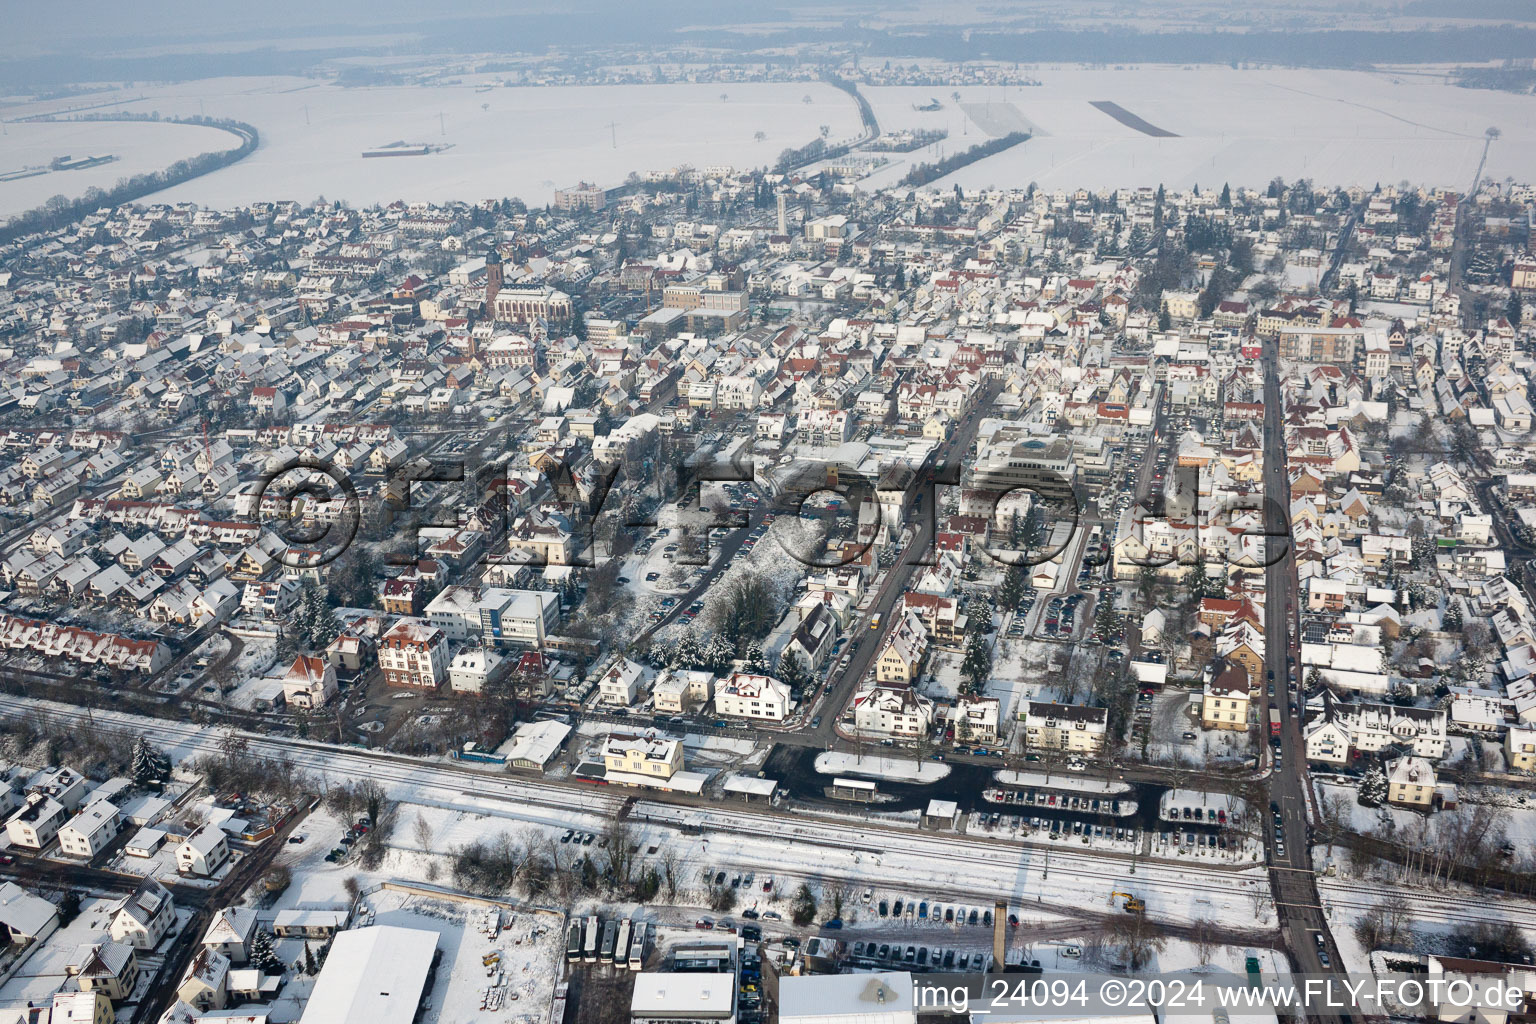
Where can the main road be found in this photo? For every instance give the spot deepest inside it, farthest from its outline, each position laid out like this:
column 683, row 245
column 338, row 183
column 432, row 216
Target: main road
column 1292, row 877
column 865, row 643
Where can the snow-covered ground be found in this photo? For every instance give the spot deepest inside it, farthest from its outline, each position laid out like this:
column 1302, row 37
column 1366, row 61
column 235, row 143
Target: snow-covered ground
column 139, row 148
column 1240, row 126
column 523, row 142
column 1061, row 780
column 896, row 769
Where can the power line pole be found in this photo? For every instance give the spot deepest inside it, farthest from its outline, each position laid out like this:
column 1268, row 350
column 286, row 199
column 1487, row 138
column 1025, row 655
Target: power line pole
column 613, row 133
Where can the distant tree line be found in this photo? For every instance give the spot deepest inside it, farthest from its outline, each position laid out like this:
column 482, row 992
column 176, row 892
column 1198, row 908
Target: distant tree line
column 61, row 210
column 922, row 174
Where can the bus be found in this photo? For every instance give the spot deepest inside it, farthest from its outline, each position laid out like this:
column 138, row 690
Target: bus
column 590, row 938
column 610, row 940
column 874, row 622
column 573, row 943
column 637, row 947
column 621, row 947
column 1274, row 721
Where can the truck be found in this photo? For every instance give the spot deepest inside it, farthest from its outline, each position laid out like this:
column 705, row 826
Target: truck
column 1274, row 721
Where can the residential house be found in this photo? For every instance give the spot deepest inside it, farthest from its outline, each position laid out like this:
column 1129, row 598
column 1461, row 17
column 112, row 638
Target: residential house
column 91, row 831
column 309, row 683
column 230, row 933
column 749, row 695
column 1410, row 782
column 203, row 853
column 111, row 968
column 142, row 918
column 1225, row 699
column 620, row 685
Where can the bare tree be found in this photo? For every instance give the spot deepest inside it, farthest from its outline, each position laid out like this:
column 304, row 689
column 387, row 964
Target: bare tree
column 622, row 850
column 1205, row 940
column 423, row 832
column 1136, row 939
column 1334, row 813
column 669, row 869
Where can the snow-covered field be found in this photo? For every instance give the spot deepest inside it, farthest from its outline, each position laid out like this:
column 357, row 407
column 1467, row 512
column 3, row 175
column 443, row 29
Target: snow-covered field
column 138, row 147
column 523, row 142
column 1238, row 126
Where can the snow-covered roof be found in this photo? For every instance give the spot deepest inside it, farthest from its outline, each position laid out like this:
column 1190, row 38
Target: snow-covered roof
column 372, row 975
column 672, row 996
column 837, row 997
column 22, row 912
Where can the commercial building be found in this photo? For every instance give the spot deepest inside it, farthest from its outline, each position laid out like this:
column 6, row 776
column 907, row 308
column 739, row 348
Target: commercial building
column 883, row 998
column 672, row 998
column 374, row 975
column 517, row 618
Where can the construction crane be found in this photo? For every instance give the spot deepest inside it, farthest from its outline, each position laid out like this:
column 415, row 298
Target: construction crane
column 1133, row 904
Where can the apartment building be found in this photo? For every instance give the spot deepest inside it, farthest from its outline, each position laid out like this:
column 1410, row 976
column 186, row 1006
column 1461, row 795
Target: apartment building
column 1072, row 728
column 414, row 655
column 748, row 695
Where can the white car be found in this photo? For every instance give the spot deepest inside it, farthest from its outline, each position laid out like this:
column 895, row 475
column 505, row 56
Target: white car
column 1076, row 766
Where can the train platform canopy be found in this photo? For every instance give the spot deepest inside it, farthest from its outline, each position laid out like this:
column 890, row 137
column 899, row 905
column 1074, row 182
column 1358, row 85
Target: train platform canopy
column 750, row 786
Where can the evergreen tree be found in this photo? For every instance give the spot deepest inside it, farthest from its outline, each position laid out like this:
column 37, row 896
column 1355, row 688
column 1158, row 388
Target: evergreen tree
column 792, row 670
column 977, row 664
column 1373, row 787
column 686, row 653
column 1198, row 582
column 150, row 767
column 1164, row 320
column 263, row 955
column 310, row 967
column 1226, row 196
column 1012, row 590
column 718, row 653
column 755, row 659
column 804, row 911
column 286, row 646
column 319, row 624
